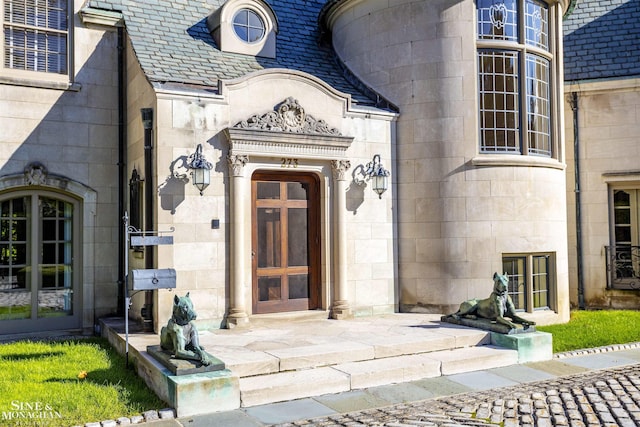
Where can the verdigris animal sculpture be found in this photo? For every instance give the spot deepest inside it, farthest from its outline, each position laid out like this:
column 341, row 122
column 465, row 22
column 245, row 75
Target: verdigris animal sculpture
column 180, row 336
column 492, row 313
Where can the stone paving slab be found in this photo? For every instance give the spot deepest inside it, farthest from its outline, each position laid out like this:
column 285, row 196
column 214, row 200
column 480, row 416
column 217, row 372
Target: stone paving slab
column 311, row 356
column 599, row 361
column 289, row 411
column 609, row 397
column 481, row 380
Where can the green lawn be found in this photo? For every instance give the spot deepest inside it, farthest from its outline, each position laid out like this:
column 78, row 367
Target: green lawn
column 588, row 329
column 41, row 379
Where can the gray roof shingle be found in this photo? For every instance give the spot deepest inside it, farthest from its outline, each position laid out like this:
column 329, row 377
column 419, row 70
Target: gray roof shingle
column 172, row 42
column 602, row 40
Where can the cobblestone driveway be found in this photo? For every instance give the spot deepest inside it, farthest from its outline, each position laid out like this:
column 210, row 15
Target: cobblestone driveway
column 608, row 397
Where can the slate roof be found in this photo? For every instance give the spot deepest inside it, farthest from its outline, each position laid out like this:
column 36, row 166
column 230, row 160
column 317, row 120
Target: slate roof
column 172, row 42
column 602, row 40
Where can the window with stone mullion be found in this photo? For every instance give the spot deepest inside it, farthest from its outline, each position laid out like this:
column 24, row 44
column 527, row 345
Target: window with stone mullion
column 514, row 93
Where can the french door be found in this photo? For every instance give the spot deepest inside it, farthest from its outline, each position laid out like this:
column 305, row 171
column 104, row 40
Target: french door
column 38, row 241
column 285, row 242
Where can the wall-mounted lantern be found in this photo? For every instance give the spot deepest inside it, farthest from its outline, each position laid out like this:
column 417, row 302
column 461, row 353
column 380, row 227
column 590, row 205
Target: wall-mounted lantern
column 377, row 174
column 200, row 169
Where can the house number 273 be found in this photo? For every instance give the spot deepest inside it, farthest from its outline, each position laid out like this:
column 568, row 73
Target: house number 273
column 289, row 163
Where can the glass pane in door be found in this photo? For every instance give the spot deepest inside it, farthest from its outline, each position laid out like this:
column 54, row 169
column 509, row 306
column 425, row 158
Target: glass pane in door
column 269, row 225
column 298, row 286
column 55, row 296
column 297, row 241
column 15, row 279
column 297, row 191
column 268, row 190
column 269, row 288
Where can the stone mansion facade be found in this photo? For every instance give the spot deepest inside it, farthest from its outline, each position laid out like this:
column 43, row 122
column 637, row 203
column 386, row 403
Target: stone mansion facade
column 335, row 157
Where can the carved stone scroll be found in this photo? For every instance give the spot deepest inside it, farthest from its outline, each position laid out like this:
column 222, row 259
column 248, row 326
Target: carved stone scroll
column 288, row 116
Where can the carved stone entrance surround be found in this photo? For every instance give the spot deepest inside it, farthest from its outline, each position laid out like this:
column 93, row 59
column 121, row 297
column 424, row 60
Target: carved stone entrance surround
column 264, row 142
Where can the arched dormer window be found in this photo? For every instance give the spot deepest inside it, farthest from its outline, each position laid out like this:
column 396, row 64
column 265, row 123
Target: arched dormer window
column 245, row 26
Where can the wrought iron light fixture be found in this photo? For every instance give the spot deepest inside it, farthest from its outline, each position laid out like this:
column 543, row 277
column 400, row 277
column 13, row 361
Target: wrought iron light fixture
column 377, row 174
column 200, row 169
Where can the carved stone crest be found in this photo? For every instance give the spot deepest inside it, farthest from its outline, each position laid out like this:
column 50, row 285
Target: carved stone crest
column 288, row 116
column 35, row 174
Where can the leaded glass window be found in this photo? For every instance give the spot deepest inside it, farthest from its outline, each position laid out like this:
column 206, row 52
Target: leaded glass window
column 514, row 77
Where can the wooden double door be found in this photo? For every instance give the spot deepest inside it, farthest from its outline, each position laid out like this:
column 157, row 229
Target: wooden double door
column 285, row 242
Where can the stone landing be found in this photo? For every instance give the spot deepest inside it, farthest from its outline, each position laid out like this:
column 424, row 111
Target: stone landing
column 275, row 360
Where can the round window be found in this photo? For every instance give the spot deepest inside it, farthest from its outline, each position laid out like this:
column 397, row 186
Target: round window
column 248, row 26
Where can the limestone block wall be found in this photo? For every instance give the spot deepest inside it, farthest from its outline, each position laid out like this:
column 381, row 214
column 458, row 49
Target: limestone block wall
column 203, row 256
column 608, row 114
column 458, row 211
column 140, row 94
column 72, row 130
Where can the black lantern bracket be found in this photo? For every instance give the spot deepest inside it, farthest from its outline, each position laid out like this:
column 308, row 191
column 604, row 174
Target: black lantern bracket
column 200, row 169
column 375, row 173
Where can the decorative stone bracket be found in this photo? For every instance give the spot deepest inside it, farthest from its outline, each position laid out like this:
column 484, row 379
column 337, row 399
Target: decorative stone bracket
column 289, row 116
column 287, row 131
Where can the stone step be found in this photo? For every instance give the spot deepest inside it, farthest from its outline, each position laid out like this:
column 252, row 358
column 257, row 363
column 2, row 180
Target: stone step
column 291, row 385
column 474, row 359
column 246, row 362
column 283, row 386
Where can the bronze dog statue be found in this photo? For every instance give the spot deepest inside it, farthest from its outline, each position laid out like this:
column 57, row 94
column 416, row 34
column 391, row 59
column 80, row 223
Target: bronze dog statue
column 496, row 308
column 180, row 336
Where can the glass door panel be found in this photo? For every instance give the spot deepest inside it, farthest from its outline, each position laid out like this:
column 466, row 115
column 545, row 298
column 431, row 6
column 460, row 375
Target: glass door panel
column 626, row 235
column 270, row 288
column 285, row 236
column 15, row 282
column 55, row 296
column 298, row 247
column 37, row 262
column 269, row 237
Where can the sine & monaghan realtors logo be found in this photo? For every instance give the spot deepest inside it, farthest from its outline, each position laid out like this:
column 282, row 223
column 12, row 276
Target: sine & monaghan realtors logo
column 35, row 411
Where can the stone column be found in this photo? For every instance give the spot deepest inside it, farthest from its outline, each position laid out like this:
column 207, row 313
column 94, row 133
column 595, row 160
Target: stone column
column 340, row 308
column 237, row 311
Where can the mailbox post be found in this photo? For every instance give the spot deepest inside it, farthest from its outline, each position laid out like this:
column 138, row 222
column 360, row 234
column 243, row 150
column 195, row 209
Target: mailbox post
column 145, row 279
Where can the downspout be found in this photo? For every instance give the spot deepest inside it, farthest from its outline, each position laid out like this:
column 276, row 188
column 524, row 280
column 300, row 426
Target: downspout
column 576, row 160
column 122, row 169
column 147, row 121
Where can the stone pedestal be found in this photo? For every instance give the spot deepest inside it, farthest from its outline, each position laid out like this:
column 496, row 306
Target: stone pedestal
column 189, row 387
column 182, row 366
column 531, row 347
column 203, row 393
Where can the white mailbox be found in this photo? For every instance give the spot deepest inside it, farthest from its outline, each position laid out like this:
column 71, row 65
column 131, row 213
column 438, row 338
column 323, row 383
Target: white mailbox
column 146, row 280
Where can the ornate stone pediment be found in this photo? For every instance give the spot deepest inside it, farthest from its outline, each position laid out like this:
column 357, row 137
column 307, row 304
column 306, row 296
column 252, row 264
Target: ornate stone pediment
column 288, row 116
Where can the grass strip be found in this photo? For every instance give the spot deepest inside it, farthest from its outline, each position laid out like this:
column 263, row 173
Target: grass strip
column 588, row 329
column 64, row 383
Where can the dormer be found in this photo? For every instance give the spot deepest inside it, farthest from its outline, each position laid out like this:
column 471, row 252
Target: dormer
column 248, row 27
